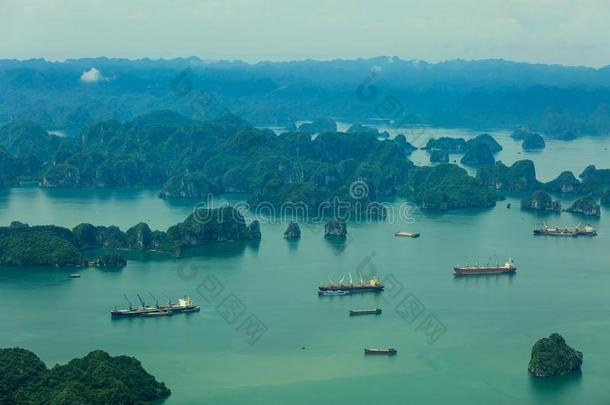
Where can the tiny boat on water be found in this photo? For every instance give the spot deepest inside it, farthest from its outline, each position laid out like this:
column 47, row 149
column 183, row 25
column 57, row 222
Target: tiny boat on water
column 74, row 275
column 389, row 351
column 373, row 311
column 406, row 234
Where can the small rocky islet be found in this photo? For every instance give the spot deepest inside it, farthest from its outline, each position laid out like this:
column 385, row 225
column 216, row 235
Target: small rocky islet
column 335, row 229
column 292, row 232
column 553, row 357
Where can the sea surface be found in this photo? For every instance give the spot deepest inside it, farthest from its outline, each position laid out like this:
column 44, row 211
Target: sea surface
column 264, row 336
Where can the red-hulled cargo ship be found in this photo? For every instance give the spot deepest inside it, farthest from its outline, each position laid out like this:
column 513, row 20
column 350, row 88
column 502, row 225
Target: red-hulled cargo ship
column 506, row 268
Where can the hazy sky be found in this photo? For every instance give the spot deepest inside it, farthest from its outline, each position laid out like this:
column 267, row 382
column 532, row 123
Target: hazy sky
column 573, row 32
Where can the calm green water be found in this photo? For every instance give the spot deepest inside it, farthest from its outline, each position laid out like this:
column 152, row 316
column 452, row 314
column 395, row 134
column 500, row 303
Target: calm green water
column 491, row 323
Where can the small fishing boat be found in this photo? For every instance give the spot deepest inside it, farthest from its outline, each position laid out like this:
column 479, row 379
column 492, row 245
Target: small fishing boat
column 333, row 293
column 74, row 275
column 406, row 234
column 373, row 311
column 389, row 351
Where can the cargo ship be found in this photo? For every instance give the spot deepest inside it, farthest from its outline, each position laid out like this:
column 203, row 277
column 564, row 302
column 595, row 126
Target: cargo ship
column 569, row 232
column 373, row 285
column 184, row 305
column 506, row 268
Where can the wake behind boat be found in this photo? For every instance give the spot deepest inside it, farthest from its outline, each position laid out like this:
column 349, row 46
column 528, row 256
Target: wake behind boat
column 506, row 268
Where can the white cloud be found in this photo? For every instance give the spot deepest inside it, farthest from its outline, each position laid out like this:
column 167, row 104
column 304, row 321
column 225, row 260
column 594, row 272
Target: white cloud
column 92, row 75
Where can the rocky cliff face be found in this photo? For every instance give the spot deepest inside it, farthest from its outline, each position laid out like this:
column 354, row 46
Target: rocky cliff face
column 293, row 231
column 439, row 156
column 319, row 125
column 552, row 357
column 61, row 176
column 533, row 141
column 520, row 177
column 8, row 169
column 520, row 133
column 478, row 154
column 605, row 200
column 108, row 262
column 486, row 139
column 363, row 129
column 540, row 201
column 335, row 229
column 585, row 206
column 451, row 145
column 139, row 237
column 189, row 185
column 201, row 228
column 566, row 182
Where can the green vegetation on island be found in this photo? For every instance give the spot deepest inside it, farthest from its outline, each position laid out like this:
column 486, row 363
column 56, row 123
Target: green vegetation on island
column 23, row 245
column 439, row 156
column 605, row 200
column 363, row 129
column 448, row 144
column 520, row 176
column 447, row 186
column 97, row 378
column 478, row 154
column 540, row 201
column 486, row 139
column 553, row 357
column 318, row 126
column 586, row 206
column 108, row 261
column 533, row 141
column 193, row 159
column 565, row 183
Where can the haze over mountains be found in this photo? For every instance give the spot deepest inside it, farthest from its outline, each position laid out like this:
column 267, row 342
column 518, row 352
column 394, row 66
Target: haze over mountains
column 560, row 101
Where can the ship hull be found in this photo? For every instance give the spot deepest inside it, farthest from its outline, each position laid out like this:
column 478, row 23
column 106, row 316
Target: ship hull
column 568, row 234
column 353, row 289
column 387, row 352
column 355, row 312
column 459, row 271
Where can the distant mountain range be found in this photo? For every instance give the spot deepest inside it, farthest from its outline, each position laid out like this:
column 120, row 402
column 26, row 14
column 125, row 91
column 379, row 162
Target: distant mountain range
column 559, row 101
